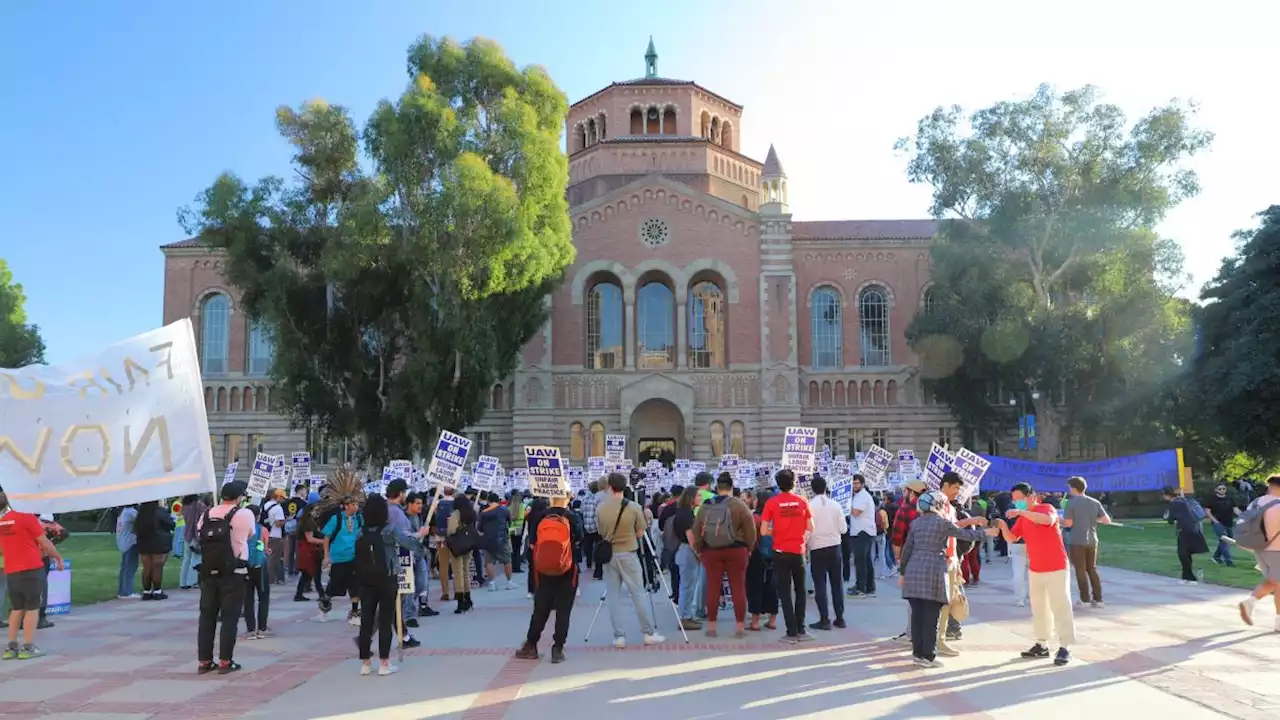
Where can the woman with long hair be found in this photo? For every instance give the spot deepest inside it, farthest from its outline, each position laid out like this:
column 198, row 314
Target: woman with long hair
column 762, row 588
column 308, row 551
column 379, row 600
column 685, row 557
column 192, row 510
column 463, row 516
column 154, row 527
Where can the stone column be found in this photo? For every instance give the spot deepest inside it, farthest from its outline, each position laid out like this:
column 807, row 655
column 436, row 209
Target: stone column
column 629, row 333
column 682, row 334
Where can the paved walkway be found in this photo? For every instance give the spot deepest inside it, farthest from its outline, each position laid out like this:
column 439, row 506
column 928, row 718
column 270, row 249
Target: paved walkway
column 1160, row 649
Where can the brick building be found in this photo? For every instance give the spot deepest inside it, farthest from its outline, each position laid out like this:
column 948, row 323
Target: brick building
column 700, row 318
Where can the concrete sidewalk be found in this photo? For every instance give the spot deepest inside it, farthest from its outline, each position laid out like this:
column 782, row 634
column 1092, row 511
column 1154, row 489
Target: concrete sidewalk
column 1159, row 648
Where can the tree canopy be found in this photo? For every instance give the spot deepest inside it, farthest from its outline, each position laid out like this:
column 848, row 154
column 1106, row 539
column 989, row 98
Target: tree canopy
column 20, row 342
column 1049, row 280
column 1237, row 367
column 399, row 289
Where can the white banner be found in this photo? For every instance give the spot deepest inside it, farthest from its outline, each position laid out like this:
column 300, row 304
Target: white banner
column 125, row 426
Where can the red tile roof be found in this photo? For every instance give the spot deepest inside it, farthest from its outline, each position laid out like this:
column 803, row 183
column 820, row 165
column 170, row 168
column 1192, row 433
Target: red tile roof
column 188, row 243
column 864, row 229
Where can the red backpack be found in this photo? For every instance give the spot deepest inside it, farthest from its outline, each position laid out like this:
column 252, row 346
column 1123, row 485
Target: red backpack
column 553, row 552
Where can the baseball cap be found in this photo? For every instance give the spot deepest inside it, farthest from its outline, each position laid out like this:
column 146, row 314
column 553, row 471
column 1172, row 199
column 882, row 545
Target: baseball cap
column 916, row 486
column 234, row 490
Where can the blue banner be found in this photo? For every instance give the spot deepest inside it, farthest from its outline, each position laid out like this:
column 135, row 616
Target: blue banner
column 1150, row 471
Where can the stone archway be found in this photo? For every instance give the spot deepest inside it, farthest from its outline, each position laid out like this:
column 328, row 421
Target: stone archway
column 657, row 431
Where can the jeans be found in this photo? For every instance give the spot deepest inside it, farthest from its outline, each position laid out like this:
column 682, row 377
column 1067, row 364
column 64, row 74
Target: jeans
column 826, row 572
column 188, row 576
column 221, row 600
column 884, row 556
column 700, row 591
column 669, row 563
column 688, row 564
column 290, row 554
column 730, row 561
column 128, row 570
column 923, row 619
column 409, row 601
column 515, row 552
column 790, row 572
column 624, row 569
column 1223, row 553
column 552, row 593
column 863, row 567
column 1018, row 559
column 377, row 605
column 257, row 587
column 589, row 540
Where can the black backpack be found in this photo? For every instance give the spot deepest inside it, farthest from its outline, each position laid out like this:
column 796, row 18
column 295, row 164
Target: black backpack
column 217, row 559
column 264, row 517
column 371, row 557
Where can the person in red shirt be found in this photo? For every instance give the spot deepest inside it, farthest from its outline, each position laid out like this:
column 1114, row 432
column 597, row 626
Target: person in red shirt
column 786, row 517
column 1049, row 579
column 23, row 545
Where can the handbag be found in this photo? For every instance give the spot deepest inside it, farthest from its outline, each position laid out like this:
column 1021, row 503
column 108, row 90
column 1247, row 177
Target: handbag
column 959, row 607
column 604, row 550
column 464, row 540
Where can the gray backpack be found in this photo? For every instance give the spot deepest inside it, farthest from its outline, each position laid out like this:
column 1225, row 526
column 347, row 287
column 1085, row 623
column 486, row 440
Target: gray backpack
column 1250, row 530
column 717, row 528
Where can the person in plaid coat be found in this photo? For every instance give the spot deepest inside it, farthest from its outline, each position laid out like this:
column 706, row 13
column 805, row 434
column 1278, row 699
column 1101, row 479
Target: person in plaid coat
column 902, row 520
column 924, row 577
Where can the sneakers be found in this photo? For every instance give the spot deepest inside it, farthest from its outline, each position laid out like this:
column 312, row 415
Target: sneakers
column 411, row 622
column 805, row 637
column 1036, row 652
column 1098, row 605
column 557, row 654
column 690, row 624
column 493, row 586
column 654, row 639
column 366, row 669
column 789, row 640
column 11, row 652
column 513, row 585
column 1246, row 609
column 322, row 617
column 840, row 623
column 902, row 638
column 946, row 650
column 926, row 663
column 820, row 625
column 386, row 670
column 528, row 651
column 411, row 642
column 353, row 620
column 1021, row 603
column 1063, row 657
column 620, row 643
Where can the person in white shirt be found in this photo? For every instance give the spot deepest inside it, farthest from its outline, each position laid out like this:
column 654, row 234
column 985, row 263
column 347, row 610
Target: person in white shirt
column 824, row 553
column 274, row 511
column 862, row 528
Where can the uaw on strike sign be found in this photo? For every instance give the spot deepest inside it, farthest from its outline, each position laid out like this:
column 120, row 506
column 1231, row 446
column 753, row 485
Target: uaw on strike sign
column 122, row 427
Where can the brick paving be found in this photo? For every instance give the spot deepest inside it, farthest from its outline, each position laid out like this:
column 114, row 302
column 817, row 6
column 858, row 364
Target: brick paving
column 1158, row 648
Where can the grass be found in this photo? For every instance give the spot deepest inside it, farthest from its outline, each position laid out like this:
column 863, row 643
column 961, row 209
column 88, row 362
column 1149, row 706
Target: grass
column 95, row 567
column 1149, row 546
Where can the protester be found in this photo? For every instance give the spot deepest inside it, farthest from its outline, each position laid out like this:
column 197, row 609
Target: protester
column 884, row 564
column 1186, row 514
column 902, row 519
column 192, row 510
column 555, row 577
column 154, row 527
column 1049, row 580
column 258, row 586
column 1269, row 556
column 293, row 508
column 591, row 530
column 273, row 518
column 625, row 522
column 786, row 518
column 723, row 535
column 515, row 529
column 927, row 576
column 862, row 528
column 127, row 544
column 24, row 546
column 223, row 531
column 398, row 520
column 377, row 563
column 444, row 557
column 829, row 526
column 1223, row 512
column 950, row 487
column 1082, row 516
column 308, row 552
column 462, row 524
column 762, row 586
column 339, row 537
column 681, row 524
column 414, row 509
column 671, row 540
column 495, row 522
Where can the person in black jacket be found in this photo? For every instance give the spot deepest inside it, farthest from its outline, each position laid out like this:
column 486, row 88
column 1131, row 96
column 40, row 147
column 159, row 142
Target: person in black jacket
column 154, row 528
column 551, row 592
column 1190, row 533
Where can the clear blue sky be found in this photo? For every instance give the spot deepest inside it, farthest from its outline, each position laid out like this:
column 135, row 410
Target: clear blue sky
column 115, row 114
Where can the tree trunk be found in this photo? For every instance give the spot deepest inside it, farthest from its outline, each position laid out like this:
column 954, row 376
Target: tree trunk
column 1049, row 426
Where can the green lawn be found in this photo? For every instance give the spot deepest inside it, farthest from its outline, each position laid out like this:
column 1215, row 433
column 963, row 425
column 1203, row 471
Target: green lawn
column 1152, row 549
column 95, row 565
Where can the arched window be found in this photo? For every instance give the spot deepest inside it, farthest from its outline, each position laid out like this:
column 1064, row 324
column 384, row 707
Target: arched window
column 825, row 329
column 655, row 326
column 637, row 121
column 706, row 326
column 839, row 399
column 580, row 138
column 246, row 403
column 704, row 124
column 215, row 317
column 234, row 400
column 813, row 393
column 600, row 128
column 929, row 302
column 891, row 393
column 652, row 120
column 717, row 439
column 220, row 404
column 597, row 439
column 715, row 130
column 726, row 135
column 577, row 443
column 261, row 350
column 591, row 132
column 668, row 120
column 873, row 320
column 499, row 397
column 826, row 393
column 260, row 400
column 604, row 327
column 738, row 438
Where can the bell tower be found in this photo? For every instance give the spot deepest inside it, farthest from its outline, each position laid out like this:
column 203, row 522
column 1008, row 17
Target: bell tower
column 651, row 61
